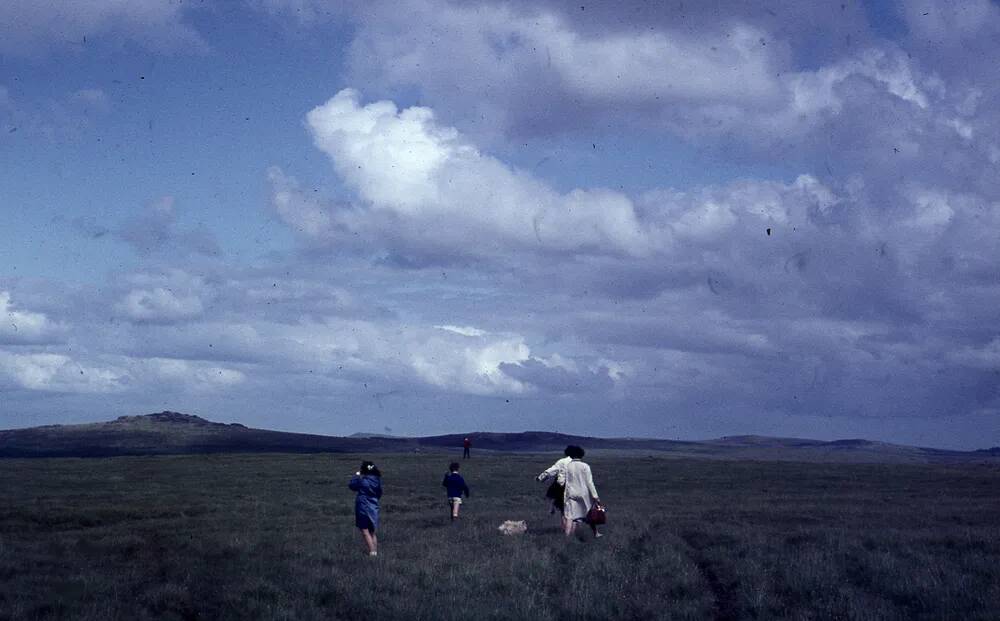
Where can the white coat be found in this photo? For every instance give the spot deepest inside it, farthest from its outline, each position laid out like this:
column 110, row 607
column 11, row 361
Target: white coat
column 580, row 490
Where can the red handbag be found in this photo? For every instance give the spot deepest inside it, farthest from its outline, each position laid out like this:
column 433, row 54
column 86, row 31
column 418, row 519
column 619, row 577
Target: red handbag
column 598, row 514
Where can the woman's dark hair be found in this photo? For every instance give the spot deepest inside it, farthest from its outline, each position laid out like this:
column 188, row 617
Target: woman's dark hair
column 369, row 467
column 575, row 452
column 453, row 466
column 568, row 450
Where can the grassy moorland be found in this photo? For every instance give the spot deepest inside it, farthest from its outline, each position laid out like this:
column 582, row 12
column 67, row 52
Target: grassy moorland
column 272, row 537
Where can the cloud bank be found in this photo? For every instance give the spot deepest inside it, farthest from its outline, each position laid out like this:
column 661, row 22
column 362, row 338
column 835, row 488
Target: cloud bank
column 483, row 224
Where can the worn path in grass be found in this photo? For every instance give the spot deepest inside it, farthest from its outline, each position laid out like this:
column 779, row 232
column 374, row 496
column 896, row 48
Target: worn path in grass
column 272, row 537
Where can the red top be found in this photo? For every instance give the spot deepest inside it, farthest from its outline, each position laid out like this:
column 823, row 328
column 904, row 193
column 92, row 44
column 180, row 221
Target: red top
column 467, row 443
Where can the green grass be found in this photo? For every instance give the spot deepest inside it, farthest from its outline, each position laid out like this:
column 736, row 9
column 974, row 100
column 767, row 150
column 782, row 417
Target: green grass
column 272, row 537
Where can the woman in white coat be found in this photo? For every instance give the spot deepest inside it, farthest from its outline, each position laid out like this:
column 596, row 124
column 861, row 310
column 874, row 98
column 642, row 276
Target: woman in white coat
column 580, row 492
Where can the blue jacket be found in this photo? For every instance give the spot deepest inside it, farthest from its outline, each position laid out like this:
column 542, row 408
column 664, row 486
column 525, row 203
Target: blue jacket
column 369, row 489
column 456, row 485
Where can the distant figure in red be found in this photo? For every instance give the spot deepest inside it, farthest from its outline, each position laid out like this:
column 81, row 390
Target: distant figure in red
column 466, row 445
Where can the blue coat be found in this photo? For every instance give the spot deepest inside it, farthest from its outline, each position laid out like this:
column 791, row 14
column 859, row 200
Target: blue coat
column 456, row 485
column 369, row 489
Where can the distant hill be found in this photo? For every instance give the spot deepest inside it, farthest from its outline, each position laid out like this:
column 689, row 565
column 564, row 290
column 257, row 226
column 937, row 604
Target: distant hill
column 166, row 433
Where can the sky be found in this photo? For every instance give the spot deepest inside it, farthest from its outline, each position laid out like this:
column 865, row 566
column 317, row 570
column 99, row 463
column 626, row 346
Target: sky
column 649, row 219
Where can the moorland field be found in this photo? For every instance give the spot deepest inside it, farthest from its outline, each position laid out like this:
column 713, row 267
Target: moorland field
column 271, row 536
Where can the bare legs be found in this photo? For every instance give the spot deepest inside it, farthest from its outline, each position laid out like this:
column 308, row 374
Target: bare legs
column 371, row 541
column 568, row 526
column 454, row 510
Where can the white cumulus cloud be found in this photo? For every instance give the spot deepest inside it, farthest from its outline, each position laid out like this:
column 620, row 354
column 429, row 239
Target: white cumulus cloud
column 59, row 373
column 472, row 369
column 504, row 364
column 192, row 374
column 463, row 330
column 23, row 326
column 442, row 193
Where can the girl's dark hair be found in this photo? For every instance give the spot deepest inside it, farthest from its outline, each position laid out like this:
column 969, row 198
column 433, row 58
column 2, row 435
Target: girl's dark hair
column 575, row 452
column 453, row 466
column 369, row 467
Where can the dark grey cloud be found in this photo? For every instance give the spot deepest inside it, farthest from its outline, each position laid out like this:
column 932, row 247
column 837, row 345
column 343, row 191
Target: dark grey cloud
column 26, row 116
column 29, row 28
column 156, row 230
column 90, row 227
column 543, row 68
column 814, row 31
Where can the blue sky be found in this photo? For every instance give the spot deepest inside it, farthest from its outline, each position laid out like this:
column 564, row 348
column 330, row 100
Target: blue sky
column 646, row 219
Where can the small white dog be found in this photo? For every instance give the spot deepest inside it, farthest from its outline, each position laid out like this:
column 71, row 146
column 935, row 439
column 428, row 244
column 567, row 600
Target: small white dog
column 510, row 527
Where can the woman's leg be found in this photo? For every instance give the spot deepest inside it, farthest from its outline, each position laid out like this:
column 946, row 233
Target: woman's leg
column 568, row 525
column 454, row 510
column 370, row 541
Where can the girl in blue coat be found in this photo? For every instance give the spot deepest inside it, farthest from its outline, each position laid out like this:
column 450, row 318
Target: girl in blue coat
column 456, row 486
column 367, row 482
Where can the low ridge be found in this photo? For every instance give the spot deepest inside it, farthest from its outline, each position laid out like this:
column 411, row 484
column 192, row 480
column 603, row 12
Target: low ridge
column 168, row 432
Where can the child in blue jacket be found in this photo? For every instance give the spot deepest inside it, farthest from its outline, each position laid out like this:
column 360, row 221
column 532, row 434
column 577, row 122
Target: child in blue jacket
column 456, row 486
column 367, row 482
